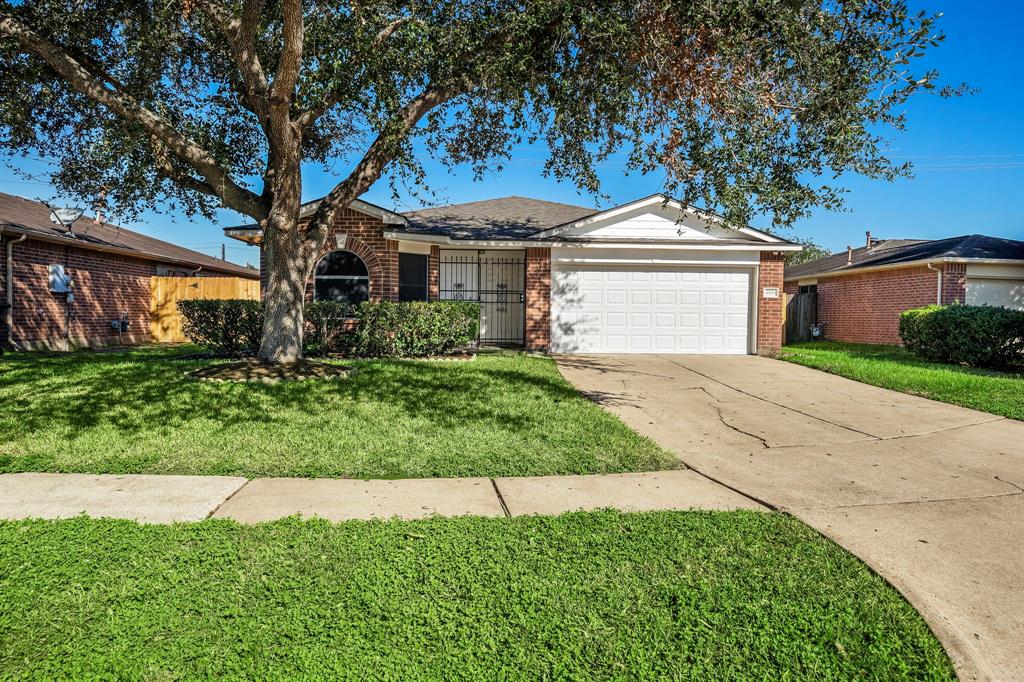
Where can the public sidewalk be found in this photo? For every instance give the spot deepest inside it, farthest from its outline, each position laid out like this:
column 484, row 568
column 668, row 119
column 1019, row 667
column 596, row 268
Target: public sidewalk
column 167, row 499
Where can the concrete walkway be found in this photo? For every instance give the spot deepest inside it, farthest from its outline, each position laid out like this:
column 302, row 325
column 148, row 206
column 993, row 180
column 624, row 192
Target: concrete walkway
column 928, row 494
column 167, row 499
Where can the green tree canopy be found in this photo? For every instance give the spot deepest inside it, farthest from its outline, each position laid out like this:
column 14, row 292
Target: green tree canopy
column 811, row 251
column 745, row 105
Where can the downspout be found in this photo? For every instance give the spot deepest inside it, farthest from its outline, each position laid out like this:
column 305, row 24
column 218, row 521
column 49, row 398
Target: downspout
column 938, row 283
column 9, row 281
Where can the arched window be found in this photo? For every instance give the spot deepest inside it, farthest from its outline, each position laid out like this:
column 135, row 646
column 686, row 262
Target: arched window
column 341, row 276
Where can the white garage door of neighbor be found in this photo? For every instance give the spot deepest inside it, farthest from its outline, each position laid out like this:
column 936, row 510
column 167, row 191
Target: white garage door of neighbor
column 631, row 309
column 999, row 292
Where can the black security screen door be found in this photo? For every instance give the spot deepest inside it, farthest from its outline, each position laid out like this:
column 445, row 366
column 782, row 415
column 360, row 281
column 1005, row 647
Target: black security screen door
column 341, row 276
column 496, row 280
column 412, row 277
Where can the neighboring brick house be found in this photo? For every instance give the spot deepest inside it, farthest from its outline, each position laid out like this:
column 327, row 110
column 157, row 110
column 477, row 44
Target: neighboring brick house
column 59, row 291
column 861, row 292
column 650, row 276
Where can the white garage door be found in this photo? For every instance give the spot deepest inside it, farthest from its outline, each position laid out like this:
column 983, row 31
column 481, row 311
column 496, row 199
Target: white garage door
column 998, row 292
column 631, row 309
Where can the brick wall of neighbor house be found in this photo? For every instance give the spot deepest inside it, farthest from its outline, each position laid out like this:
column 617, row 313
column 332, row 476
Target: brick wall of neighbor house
column 865, row 308
column 105, row 285
column 954, row 282
column 769, row 310
column 791, row 288
column 538, row 299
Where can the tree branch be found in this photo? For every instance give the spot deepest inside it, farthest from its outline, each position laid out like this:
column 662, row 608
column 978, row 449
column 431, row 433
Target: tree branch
column 78, row 77
column 380, row 153
column 241, row 36
column 290, row 61
column 309, row 116
column 165, row 168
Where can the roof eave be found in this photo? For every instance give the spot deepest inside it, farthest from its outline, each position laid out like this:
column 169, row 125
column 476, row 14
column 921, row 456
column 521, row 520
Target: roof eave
column 250, row 235
column 387, row 217
column 728, row 245
column 57, row 239
column 650, row 201
column 856, row 270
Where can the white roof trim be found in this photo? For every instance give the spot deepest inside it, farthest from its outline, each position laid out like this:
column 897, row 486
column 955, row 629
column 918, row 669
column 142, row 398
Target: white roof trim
column 727, row 245
column 852, row 270
column 982, row 261
column 385, row 216
column 654, row 199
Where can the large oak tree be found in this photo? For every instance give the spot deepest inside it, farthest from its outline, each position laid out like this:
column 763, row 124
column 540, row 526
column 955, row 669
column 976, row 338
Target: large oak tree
column 200, row 104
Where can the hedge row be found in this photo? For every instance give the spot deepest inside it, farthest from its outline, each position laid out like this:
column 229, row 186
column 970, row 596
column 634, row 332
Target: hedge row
column 232, row 327
column 378, row 329
column 415, row 329
column 978, row 336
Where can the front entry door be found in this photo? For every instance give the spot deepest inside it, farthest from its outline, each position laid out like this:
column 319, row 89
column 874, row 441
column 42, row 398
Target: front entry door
column 497, row 281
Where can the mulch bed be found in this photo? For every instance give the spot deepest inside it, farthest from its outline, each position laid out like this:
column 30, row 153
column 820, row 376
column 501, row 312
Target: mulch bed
column 454, row 356
column 269, row 373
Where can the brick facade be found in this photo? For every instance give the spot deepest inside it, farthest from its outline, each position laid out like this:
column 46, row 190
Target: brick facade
column 954, row 282
column 769, row 310
column 105, row 286
column 538, row 299
column 866, row 307
column 365, row 238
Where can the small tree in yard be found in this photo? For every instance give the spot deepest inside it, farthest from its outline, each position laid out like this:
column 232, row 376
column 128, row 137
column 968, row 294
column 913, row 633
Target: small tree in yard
column 811, row 251
column 203, row 104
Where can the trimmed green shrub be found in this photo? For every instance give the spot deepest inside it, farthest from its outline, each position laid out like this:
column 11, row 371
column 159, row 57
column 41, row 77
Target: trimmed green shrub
column 229, row 326
column 915, row 338
column 386, row 329
column 329, row 327
column 414, row 328
column 979, row 336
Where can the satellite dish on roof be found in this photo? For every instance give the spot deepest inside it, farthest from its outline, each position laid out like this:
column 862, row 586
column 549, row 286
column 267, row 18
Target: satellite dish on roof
column 65, row 217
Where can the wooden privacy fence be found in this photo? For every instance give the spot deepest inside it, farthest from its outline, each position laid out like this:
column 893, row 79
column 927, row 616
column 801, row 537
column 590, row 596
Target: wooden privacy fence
column 165, row 292
column 801, row 313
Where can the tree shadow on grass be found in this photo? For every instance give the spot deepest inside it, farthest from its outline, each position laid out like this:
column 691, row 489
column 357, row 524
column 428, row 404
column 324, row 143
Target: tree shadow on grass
column 146, row 390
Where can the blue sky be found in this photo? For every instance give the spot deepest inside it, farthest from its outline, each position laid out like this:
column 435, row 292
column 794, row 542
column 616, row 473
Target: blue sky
column 968, row 153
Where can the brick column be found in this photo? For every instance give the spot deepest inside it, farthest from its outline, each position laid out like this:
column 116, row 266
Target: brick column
column 434, row 274
column 538, row 299
column 954, row 283
column 769, row 310
column 390, row 264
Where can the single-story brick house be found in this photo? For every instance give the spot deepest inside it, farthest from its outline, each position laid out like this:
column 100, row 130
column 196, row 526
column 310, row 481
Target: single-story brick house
column 861, row 292
column 62, row 288
column 651, row 276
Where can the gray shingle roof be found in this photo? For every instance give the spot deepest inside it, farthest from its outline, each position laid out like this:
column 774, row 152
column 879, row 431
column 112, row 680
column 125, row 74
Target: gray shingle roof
column 21, row 215
column 505, row 218
column 896, row 251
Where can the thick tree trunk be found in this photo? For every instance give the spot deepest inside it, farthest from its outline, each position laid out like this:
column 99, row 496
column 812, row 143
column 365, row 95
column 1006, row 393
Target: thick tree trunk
column 288, row 260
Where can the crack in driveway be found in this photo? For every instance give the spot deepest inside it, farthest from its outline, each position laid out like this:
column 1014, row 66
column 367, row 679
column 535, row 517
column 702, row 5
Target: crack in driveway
column 765, row 400
column 718, row 408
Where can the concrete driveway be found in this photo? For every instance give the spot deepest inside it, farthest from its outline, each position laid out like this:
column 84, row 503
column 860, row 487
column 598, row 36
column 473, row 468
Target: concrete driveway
column 928, row 494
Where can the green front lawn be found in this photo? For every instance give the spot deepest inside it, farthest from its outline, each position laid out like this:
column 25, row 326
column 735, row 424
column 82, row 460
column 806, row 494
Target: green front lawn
column 670, row 595
column 894, row 368
column 502, row 414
